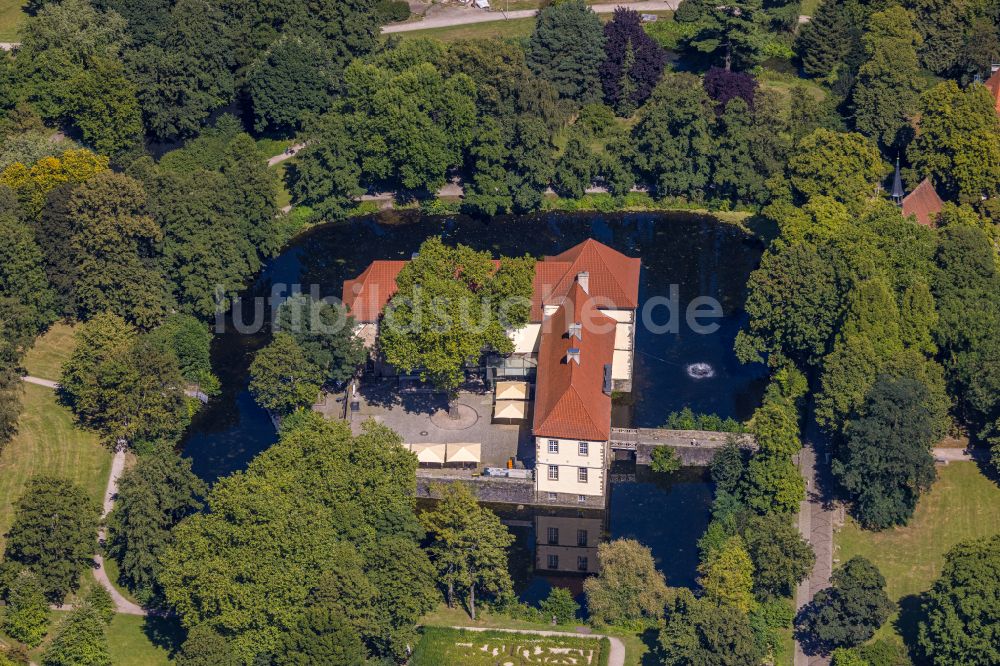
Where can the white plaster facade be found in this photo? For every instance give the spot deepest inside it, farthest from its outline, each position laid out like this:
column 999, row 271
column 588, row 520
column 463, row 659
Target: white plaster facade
column 568, row 460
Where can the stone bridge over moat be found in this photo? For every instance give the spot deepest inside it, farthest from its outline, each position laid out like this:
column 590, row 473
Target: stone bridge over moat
column 694, row 447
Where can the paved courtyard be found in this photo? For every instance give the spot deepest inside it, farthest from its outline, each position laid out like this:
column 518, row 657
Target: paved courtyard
column 421, row 416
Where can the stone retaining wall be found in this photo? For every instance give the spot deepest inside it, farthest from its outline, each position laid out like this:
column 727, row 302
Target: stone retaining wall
column 499, row 490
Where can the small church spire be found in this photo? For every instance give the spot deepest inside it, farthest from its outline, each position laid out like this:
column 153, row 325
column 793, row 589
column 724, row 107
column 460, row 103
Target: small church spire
column 897, row 185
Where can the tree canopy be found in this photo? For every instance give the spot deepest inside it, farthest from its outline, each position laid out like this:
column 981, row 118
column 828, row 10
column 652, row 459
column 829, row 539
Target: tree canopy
column 452, row 304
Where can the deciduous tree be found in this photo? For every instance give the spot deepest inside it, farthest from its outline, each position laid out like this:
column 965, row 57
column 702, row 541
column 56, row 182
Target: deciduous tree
column 888, row 84
column 848, row 612
column 726, row 575
column 845, row 167
column 114, row 245
column 673, row 138
column 696, row 632
column 886, row 461
column 54, row 534
column 452, row 304
column 295, row 76
column 282, row 379
column 153, row 496
column 628, row 587
column 468, row 547
column 633, row 63
column 958, row 141
column 962, row 610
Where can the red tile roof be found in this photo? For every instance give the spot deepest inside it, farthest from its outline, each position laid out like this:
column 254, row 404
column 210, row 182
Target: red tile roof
column 993, row 84
column 923, row 203
column 570, row 402
column 614, row 278
column 366, row 295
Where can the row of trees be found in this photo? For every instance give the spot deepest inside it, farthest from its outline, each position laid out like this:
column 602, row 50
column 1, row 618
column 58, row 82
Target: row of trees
column 117, row 70
column 314, row 554
column 142, row 243
column 176, row 237
column 835, row 289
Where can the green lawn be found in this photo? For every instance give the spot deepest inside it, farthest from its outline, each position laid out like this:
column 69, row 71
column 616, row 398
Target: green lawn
column 503, row 29
column 11, row 16
column 51, row 350
column 48, row 442
column 963, row 504
column 809, row 7
column 132, row 640
column 473, row 648
column 139, row 641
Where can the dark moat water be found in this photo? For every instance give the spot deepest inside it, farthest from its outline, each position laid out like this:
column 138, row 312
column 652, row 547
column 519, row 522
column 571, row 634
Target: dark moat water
column 698, row 254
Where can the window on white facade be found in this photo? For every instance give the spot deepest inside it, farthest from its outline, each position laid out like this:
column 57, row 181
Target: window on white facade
column 553, row 562
column 581, row 474
column 581, row 498
column 553, row 472
column 553, row 446
column 553, row 534
column 584, row 448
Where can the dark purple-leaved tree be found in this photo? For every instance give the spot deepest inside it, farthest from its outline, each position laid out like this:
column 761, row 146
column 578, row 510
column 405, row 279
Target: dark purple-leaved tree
column 723, row 85
column 633, row 62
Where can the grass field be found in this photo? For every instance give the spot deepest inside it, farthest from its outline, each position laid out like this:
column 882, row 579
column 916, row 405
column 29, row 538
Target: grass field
column 48, row 442
column 51, row 350
column 503, row 29
column 11, row 16
column 473, row 648
column 963, row 504
column 139, row 641
column 132, row 640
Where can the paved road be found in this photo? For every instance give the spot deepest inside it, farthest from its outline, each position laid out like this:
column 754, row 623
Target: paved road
column 47, row 383
column 616, row 658
column 470, row 15
column 816, row 518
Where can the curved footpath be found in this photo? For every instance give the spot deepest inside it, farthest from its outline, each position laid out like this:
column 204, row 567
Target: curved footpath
column 616, row 658
column 122, row 605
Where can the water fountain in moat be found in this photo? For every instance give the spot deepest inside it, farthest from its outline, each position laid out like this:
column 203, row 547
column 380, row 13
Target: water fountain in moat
column 700, row 371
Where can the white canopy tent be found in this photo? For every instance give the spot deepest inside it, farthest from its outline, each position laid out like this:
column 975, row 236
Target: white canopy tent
column 508, row 390
column 514, row 410
column 429, row 453
column 464, row 453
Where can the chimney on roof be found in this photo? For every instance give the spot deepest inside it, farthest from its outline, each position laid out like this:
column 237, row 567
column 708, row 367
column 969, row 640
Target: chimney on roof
column 573, row 355
column 576, row 331
column 583, row 278
column 607, row 379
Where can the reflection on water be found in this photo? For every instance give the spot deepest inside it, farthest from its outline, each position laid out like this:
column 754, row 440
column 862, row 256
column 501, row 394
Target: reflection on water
column 698, row 254
column 558, row 547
